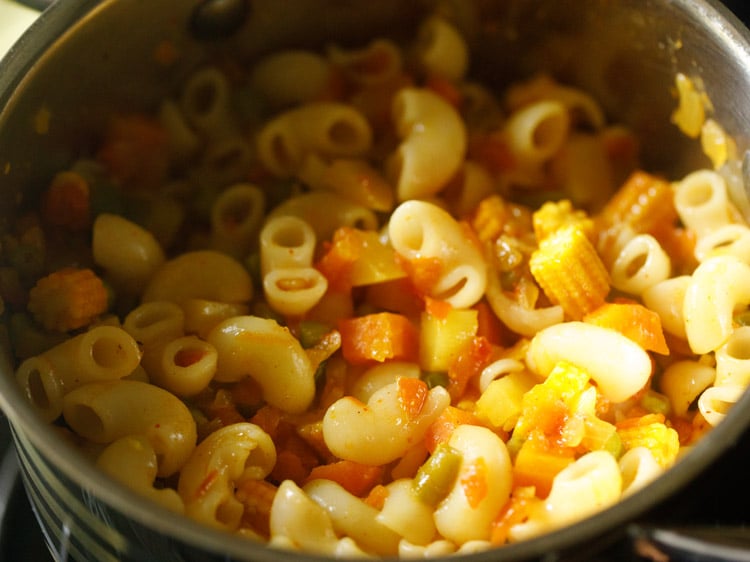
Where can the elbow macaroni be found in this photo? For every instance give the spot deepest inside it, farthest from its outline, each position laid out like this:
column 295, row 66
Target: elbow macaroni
column 379, row 431
column 433, row 144
column 718, row 287
column 329, row 321
column 103, row 412
column 226, row 457
column 250, row 346
column 419, row 230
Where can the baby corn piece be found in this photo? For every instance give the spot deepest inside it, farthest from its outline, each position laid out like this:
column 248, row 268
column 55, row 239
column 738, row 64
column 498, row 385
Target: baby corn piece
column 68, row 299
column 571, row 273
column 555, row 214
column 645, row 202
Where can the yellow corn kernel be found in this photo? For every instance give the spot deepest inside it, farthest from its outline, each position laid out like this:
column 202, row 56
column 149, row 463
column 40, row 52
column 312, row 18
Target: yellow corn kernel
column 556, row 214
column 570, row 272
column 651, row 432
column 68, row 299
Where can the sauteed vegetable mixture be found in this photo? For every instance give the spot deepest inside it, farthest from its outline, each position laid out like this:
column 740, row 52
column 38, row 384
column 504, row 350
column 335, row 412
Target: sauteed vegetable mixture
column 353, row 301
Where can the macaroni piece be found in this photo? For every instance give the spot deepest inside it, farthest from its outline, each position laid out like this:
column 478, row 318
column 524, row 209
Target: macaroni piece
column 291, row 77
column 325, row 212
column 294, row 291
column 641, row 264
column 226, row 457
column 536, row 132
column 250, row 346
column 353, row 517
column 213, row 276
column 132, row 461
column 236, row 219
column 205, row 103
column 717, row 288
column 155, row 321
column 286, row 242
column 103, row 412
column 379, row 431
column 378, row 62
column 128, row 253
column 433, row 144
column 350, row 301
column 441, row 50
column 701, row 201
column 184, row 366
column 326, row 128
column 420, row 230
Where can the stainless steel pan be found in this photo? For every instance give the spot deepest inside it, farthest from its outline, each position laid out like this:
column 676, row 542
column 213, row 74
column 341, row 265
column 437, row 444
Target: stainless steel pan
column 84, row 57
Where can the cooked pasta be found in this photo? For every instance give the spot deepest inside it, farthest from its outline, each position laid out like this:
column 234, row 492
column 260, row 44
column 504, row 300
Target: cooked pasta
column 291, row 77
column 128, row 253
column 236, row 219
column 347, row 300
column 106, row 411
column 132, row 461
column 286, row 242
column 378, row 62
column 420, row 230
column 433, row 143
column 205, row 102
column 441, row 50
column 250, row 346
column 227, row 457
column 641, row 264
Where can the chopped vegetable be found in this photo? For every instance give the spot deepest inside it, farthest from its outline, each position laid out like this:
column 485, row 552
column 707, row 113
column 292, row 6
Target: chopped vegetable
column 554, row 215
column 445, row 88
column 135, row 151
column 537, row 463
column 645, row 203
column 634, row 321
column 358, row 479
column 67, row 202
column 435, row 378
column 442, row 428
column 468, row 364
column 444, row 335
column 550, row 409
column 68, row 299
column 257, row 497
column 516, row 510
column 436, row 477
column 651, row 432
column 412, row 394
column 501, row 402
column 570, row 271
column 378, row 337
column 600, row 435
column 474, row 481
column 358, row 257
